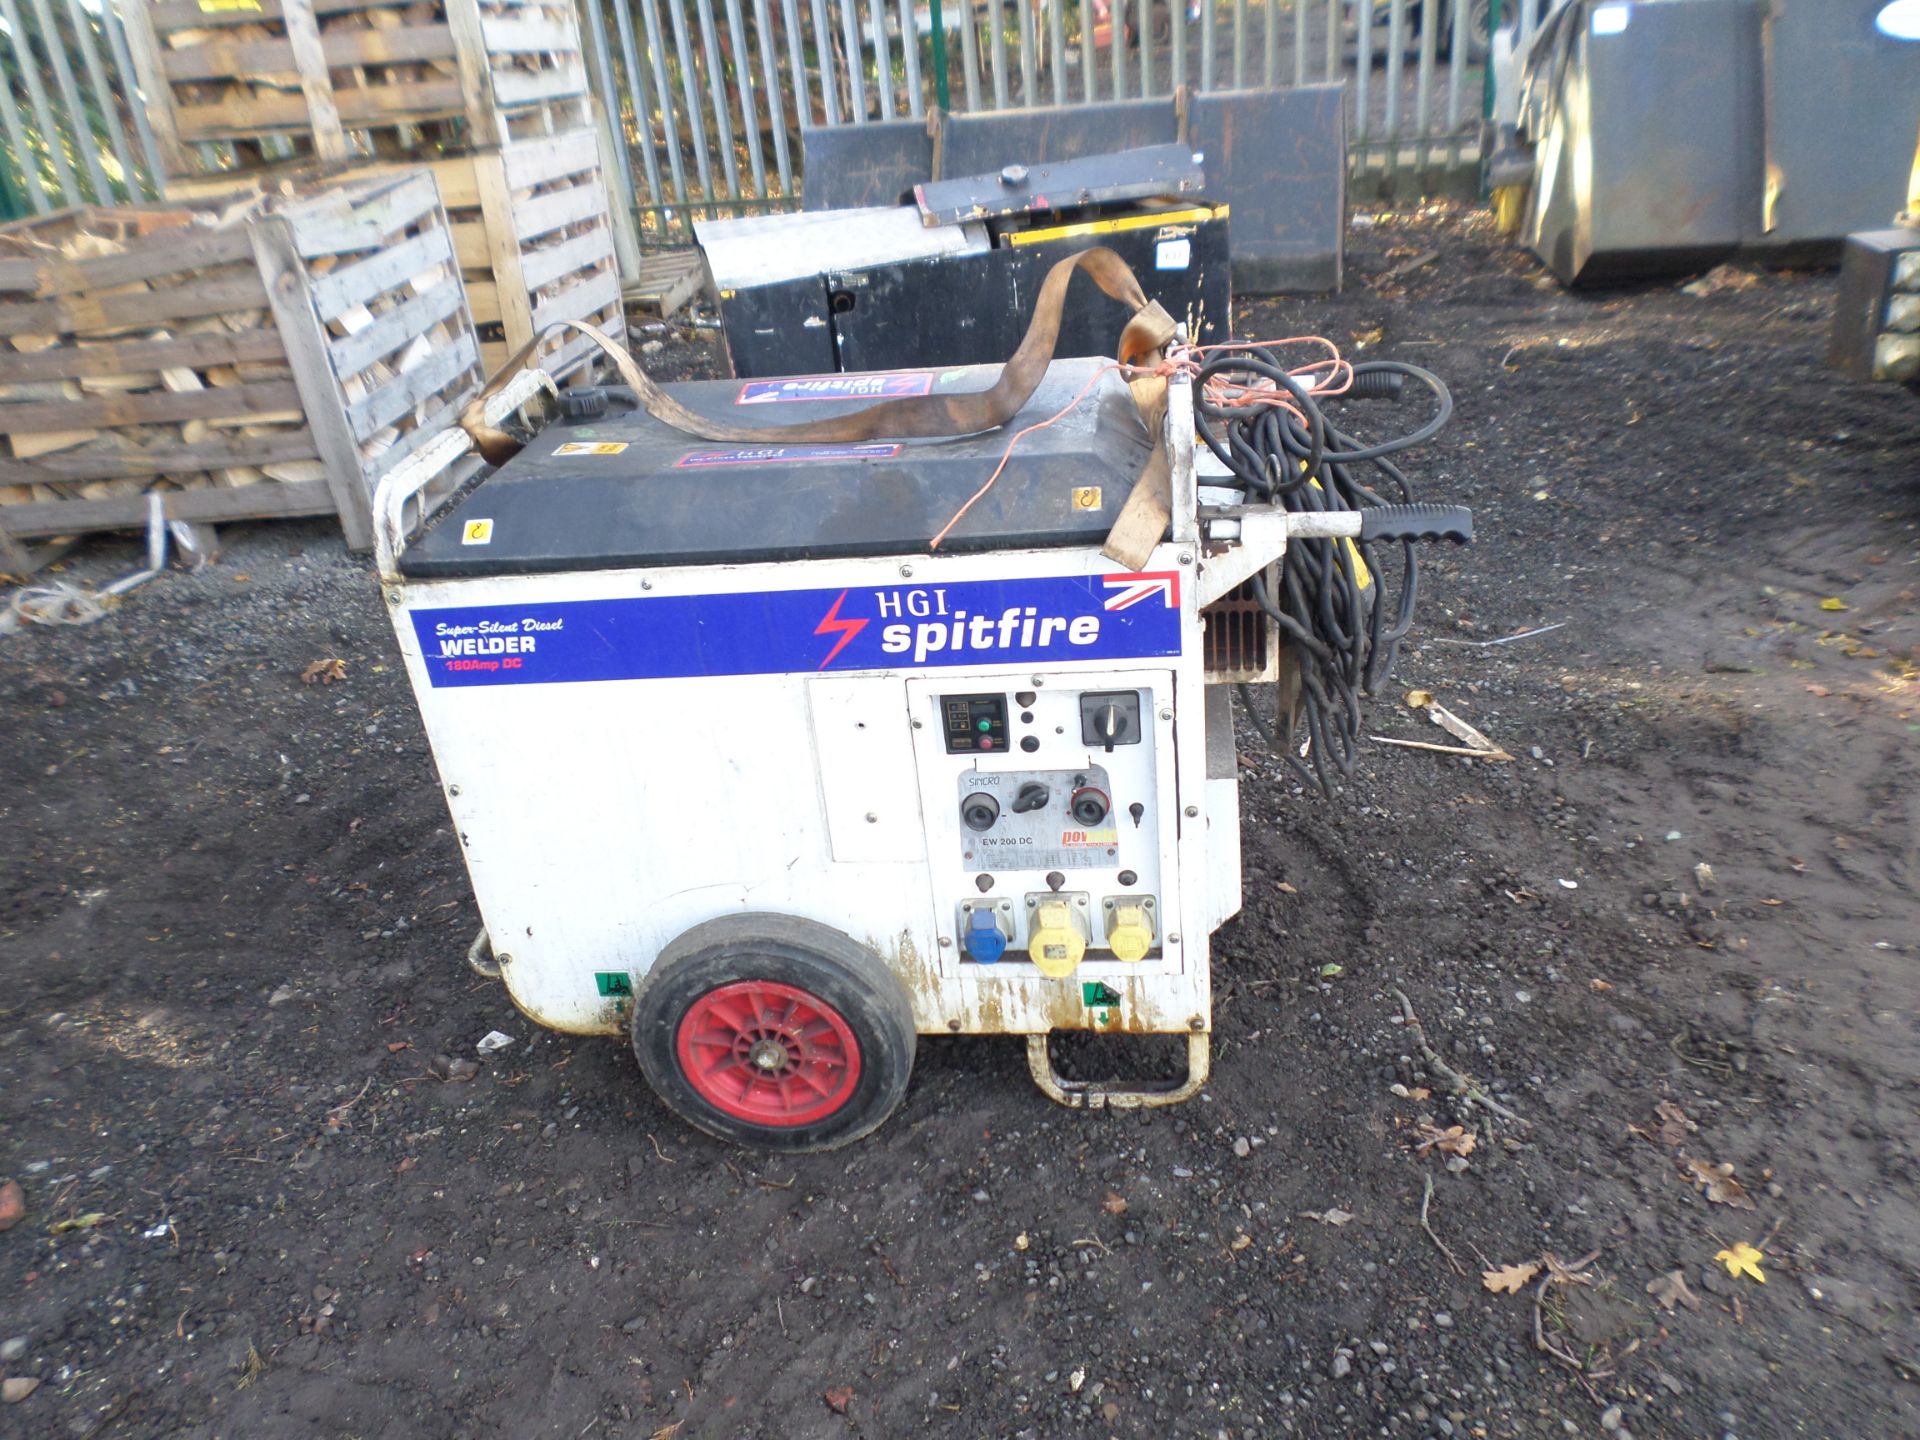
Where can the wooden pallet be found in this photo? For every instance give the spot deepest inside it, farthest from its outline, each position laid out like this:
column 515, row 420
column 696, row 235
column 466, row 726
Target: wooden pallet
column 669, row 281
column 532, row 228
column 336, row 80
column 252, row 365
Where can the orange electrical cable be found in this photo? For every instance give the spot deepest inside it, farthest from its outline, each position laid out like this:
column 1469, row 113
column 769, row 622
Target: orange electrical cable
column 1007, row 454
column 1186, row 361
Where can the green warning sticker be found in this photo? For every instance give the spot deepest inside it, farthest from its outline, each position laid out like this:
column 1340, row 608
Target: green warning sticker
column 613, row 982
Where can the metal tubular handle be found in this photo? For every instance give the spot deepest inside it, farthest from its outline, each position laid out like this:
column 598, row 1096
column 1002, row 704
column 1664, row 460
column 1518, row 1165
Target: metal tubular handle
column 401, row 484
column 419, row 470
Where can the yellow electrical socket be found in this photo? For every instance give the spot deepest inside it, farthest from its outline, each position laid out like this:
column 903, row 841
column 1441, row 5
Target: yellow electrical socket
column 1056, row 936
column 1129, row 928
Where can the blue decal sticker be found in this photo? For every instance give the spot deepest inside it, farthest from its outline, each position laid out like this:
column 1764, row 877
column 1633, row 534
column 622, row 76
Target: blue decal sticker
column 836, row 387
column 771, row 454
column 1129, row 616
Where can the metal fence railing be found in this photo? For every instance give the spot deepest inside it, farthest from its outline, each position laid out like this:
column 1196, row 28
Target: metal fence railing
column 710, row 99
column 76, row 132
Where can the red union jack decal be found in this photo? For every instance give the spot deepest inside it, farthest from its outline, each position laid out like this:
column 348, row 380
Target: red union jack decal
column 1126, row 591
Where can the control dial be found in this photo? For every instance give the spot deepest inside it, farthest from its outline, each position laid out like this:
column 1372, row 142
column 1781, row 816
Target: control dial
column 979, row 810
column 1089, row 805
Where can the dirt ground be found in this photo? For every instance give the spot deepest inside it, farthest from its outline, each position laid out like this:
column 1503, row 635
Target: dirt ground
column 232, row 921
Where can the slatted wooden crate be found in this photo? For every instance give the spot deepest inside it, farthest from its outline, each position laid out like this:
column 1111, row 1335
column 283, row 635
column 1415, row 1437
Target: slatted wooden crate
column 532, row 227
column 344, row 79
column 274, row 358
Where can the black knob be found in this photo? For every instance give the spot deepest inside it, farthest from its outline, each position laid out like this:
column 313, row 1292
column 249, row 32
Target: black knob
column 1032, row 796
column 979, row 811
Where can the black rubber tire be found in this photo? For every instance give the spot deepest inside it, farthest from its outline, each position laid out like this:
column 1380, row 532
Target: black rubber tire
column 790, row 951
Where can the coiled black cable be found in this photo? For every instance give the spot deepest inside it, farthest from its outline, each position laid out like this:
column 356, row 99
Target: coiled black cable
column 1339, row 629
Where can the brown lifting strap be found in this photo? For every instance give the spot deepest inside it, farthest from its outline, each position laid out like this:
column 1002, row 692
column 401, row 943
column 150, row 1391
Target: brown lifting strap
column 1142, row 345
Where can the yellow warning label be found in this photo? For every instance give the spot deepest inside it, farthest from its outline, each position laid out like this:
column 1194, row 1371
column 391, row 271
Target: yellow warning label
column 1086, row 497
column 215, row 7
column 581, row 447
column 477, row 532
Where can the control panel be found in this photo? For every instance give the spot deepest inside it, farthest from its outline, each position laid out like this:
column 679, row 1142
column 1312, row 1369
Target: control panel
column 1051, row 821
column 1037, row 819
column 974, row 724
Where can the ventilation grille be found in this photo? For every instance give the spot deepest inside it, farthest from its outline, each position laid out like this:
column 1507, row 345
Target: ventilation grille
column 1239, row 643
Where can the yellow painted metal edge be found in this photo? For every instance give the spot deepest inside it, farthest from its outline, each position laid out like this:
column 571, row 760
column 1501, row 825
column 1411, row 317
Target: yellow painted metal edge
column 1126, row 222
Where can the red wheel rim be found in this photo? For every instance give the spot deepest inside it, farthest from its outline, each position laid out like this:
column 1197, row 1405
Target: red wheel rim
column 768, row 1053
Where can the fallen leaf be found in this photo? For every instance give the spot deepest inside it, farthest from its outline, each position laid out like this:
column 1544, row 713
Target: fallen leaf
column 1599, row 987
column 1674, row 1124
column 1671, row 1289
column 1833, row 602
column 1820, row 690
column 1419, row 1092
column 1332, row 970
column 324, row 672
column 1743, row 1259
column 1115, row 1203
column 839, row 1398
column 78, row 1222
column 1328, row 1217
column 1508, row 1279
column 1286, row 889
column 1419, row 699
column 1717, row 1181
column 13, row 1204
column 394, row 1047
column 1563, row 1275
column 1241, row 1241
column 1454, row 1140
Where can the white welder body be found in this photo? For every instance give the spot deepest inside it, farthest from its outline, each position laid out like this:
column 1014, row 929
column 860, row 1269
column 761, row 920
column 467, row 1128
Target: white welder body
column 995, row 766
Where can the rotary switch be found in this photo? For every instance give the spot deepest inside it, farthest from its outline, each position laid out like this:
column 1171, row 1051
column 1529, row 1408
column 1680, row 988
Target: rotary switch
column 1109, row 718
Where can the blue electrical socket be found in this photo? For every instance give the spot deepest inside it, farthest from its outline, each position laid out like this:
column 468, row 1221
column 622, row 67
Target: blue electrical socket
column 985, row 941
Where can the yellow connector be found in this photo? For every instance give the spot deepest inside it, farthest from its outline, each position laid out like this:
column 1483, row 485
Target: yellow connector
column 1056, row 944
column 1130, row 935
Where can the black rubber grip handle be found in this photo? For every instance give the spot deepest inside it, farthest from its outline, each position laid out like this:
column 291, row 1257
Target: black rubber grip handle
column 1375, row 385
column 1421, row 521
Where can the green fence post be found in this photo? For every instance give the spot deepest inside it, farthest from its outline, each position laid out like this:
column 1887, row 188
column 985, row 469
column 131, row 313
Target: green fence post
column 940, row 58
column 11, row 207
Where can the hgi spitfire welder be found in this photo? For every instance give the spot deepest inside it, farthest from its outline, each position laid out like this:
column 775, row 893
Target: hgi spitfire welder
column 743, row 769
